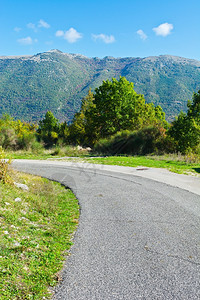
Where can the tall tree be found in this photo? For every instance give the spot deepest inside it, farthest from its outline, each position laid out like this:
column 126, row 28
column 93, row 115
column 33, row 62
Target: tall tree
column 185, row 130
column 48, row 130
column 118, row 107
column 194, row 108
column 81, row 130
column 114, row 106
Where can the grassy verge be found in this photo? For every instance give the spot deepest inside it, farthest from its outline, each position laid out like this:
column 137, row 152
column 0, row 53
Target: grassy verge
column 171, row 162
column 55, row 152
column 187, row 164
column 36, row 228
column 174, row 163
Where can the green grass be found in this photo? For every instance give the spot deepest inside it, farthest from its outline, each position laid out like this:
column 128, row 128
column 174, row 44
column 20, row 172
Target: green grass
column 36, row 233
column 184, row 164
column 189, row 164
column 54, row 152
column 174, row 163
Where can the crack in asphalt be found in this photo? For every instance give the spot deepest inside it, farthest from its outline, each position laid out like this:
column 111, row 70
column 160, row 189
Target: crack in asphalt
column 148, row 249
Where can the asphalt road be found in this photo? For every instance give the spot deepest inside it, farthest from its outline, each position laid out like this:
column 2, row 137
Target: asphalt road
column 137, row 238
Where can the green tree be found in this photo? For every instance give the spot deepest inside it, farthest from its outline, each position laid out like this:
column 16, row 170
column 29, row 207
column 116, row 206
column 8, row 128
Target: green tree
column 194, row 108
column 48, row 130
column 118, row 107
column 114, row 107
column 81, row 130
column 185, row 130
column 16, row 134
column 64, row 133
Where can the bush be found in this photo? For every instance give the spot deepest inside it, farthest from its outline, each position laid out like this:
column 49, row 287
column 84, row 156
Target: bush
column 8, row 137
column 37, row 147
column 15, row 135
column 26, row 140
column 140, row 142
column 4, row 177
column 70, row 151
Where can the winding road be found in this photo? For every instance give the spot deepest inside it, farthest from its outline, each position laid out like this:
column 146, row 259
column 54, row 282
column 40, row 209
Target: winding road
column 138, row 235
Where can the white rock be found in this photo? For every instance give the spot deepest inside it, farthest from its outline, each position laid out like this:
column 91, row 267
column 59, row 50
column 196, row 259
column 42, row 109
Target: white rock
column 6, row 203
column 18, row 199
column 79, row 148
column 16, row 244
column 21, row 186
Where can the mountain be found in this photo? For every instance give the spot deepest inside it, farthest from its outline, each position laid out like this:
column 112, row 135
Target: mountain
column 57, row 81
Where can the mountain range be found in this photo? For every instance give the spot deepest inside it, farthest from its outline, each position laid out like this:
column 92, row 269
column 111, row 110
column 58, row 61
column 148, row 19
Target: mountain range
column 57, row 81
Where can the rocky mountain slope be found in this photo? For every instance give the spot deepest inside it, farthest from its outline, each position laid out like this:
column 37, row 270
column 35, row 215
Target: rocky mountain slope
column 57, row 81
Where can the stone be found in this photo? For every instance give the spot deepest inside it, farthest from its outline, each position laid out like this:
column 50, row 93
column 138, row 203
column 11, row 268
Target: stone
column 22, row 186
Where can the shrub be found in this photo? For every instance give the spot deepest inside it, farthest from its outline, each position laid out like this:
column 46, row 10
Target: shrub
column 4, row 164
column 37, row 147
column 140, row 142
column 8, row 137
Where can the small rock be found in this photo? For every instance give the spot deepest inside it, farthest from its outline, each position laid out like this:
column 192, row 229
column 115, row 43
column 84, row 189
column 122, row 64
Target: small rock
column 79, row 148
column 88, row 149
column 16, row 244
column 23, row 218
column 18, row 199
column 6, row 203
column 22, row 186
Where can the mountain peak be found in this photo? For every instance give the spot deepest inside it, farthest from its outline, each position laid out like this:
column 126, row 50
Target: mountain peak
column 54, row 51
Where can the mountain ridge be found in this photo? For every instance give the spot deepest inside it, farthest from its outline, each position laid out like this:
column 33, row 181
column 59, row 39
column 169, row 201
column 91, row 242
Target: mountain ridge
column 57, row 81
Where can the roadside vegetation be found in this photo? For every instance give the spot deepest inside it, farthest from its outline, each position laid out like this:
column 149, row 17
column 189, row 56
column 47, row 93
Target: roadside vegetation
column 37, row 225
column 189, row 165
column 114, row 126
column 112, row 121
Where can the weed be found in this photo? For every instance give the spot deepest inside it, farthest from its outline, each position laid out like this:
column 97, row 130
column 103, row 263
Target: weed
column 4, row 164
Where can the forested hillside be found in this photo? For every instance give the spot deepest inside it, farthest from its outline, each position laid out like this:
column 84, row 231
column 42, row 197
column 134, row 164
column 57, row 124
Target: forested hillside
column 56, row 81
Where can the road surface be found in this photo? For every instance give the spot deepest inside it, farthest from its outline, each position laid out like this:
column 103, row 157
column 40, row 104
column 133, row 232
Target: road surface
column 137, row 238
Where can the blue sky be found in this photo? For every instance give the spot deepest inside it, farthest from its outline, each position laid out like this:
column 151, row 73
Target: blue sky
column 136, row 28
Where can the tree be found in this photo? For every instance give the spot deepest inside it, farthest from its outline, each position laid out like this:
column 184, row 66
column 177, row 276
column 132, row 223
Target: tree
column 81, row 130
column 16, row 134
column 114, row 106
column 48, row 130
column 185, row 130
column 118, row 107
column 194, row 108
column 64, row 133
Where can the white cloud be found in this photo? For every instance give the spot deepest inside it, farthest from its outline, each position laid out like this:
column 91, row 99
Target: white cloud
column 103, row 37
column 70, row 35
column 60, row 33
column 163, row 29
column 32, row 26
column 27, row 41
column 17, row 29
column 40, row 24
column 141, row 34
column 43, row 24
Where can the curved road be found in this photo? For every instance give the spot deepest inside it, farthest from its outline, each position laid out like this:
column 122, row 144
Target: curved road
column 137, row 238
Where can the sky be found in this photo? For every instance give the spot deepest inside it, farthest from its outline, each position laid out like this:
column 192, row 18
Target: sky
column 118, row 28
